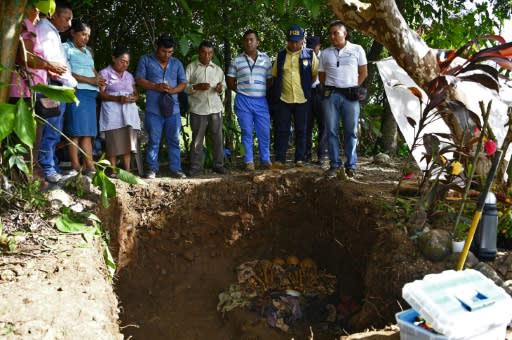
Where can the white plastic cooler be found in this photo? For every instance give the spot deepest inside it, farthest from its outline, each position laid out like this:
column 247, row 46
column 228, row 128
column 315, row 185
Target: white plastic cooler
column 458, row 304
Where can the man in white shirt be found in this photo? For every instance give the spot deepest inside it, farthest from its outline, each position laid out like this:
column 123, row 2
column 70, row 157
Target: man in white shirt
column 206, row 84
column 343, row 67
column 48, row 34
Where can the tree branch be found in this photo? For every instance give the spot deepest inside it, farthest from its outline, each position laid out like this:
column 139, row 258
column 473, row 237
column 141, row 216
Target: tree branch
column 382, row 21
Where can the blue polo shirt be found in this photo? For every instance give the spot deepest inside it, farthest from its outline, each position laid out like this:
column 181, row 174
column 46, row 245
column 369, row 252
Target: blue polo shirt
column 149, row 68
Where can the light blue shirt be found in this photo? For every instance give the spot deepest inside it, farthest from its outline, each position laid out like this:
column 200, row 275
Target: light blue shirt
column 251, row 75
column 149, row 68
column 81, row 63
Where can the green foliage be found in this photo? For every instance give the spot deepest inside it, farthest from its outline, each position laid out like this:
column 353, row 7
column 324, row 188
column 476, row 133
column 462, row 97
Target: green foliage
column 403, row 150
column 370, row 128
column 60, row 93
column 7, row 328
column 450, row 23
column 25, row 124
column 504, row 206
column 89, row 226
column 8, row 112
column 7, row 242
column 14, row 154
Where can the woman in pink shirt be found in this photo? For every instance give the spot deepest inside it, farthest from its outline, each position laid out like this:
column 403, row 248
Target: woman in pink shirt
column 31, row 69
column 119, row 116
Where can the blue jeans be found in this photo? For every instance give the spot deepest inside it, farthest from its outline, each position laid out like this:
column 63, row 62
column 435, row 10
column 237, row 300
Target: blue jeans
column 50, row 138
column 155, row 124
column 253, row 115
column 283, row 121
column 335, row 106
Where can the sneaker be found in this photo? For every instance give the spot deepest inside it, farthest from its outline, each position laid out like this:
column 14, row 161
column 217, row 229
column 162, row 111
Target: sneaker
column 278, row 165
column 220, row 170
column 351, row 173
column 178, row 174
column 332, row 172
column 266, row 166
column 54, row 177
column 151, row 174
column 299, row 164
column 89, row 173
column 249, row 166
column 70, row 173
column 336, row 172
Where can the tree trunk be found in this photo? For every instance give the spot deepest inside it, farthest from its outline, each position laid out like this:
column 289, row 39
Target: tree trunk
column 389, row 130
column 228, row 108
column 382, row 21
column 11, row 15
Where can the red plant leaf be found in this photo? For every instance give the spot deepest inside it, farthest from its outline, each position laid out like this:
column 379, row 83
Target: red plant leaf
column 410, row 175
column 416, row 92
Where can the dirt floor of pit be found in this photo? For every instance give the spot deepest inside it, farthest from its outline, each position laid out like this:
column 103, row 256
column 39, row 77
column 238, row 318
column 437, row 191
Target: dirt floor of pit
column 179, row 243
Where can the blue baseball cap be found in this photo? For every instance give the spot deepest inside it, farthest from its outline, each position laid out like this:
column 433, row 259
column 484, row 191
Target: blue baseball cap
column 295, row 33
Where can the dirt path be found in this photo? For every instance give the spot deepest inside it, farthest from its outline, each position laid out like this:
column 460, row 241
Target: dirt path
column 58, row 291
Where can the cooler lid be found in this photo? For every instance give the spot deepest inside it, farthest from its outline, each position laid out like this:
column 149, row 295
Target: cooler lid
column 459, row 304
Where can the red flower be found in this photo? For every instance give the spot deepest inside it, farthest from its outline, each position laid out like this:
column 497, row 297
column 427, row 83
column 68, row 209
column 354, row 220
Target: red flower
column 409, row 175
column 490, row 147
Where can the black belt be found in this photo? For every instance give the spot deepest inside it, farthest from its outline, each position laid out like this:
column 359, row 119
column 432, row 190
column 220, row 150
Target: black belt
column 317, row 89
column 342, row 90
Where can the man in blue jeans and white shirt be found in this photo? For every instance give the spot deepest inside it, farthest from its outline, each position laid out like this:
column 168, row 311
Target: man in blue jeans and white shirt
column 159, row 73
column 47, row 31
column 342, row 66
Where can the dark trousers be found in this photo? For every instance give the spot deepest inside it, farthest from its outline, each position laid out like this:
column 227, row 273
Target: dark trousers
column 283, row 121
column 315, row 114
column 199, row 125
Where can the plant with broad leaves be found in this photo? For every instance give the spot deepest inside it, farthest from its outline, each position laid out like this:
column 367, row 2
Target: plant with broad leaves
column 89, row 226
column 452, row 158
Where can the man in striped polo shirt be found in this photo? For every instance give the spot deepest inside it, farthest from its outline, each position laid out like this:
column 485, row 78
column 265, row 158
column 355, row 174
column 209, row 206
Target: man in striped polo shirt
column 249, row 75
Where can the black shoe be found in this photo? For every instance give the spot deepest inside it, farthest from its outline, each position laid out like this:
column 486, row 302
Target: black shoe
column 351, row 173
column 336, row 173
column 220, row 170
column 178, row 174
column 332, row 172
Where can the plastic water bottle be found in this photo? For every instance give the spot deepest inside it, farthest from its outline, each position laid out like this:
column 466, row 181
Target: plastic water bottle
column 485, row 237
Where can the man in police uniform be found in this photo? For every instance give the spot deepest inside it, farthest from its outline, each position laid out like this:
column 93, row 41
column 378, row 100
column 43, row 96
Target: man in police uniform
column 293, row 72
column 343, row 67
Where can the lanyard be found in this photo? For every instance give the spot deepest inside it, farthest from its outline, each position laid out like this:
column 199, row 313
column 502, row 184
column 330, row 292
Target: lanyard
column 249, row 64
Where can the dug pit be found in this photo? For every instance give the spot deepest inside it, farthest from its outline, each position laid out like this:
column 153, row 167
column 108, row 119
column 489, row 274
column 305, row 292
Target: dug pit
column 178, row 243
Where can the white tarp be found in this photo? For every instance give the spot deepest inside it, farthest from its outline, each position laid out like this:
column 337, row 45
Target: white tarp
column 404, row 104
